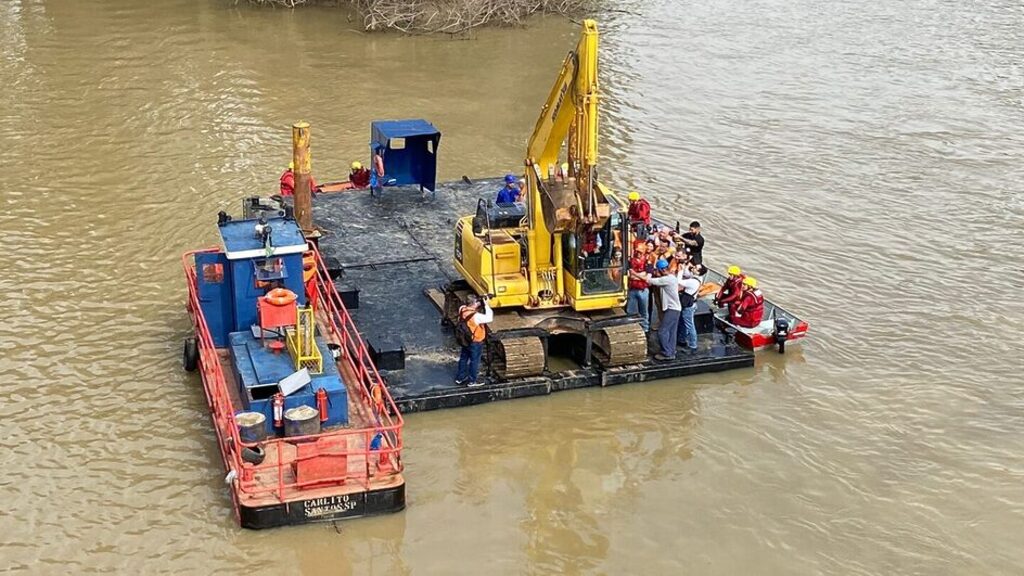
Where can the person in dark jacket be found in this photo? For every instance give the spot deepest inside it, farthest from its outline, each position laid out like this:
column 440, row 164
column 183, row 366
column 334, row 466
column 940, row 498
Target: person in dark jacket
column 694, row 243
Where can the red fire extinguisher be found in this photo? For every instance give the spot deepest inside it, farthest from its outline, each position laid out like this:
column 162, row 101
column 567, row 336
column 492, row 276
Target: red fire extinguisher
column 321, row 403
column 278, row 404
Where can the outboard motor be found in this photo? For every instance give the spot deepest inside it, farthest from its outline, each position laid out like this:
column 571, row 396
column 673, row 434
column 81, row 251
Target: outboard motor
column 781, row 333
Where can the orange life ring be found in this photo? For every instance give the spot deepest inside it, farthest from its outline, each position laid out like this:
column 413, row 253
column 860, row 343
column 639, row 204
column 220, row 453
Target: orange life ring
column 280, row 297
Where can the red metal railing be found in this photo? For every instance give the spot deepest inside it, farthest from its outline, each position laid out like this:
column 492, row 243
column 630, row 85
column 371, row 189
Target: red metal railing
column 375, row 402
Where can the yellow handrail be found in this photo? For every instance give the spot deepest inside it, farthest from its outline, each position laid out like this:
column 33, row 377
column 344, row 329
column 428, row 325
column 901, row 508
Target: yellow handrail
column 302, row 342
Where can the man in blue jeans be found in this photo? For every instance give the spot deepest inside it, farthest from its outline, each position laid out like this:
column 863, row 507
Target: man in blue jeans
column 667, row 331
column 637, row 299
column 474, row 322
column 688, row 288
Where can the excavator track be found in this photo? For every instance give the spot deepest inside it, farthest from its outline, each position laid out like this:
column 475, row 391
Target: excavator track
column 619, row 345
column 518, row 357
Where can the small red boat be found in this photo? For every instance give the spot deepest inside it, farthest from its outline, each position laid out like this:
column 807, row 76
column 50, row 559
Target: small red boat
column 306, row 428
column 779, row 327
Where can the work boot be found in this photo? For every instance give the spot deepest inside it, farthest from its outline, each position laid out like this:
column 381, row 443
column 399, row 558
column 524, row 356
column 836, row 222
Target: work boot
column 662, row 358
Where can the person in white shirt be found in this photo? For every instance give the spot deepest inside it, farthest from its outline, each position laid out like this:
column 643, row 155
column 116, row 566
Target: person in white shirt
column 688, row 289
column 669, row 285
column 472, row 324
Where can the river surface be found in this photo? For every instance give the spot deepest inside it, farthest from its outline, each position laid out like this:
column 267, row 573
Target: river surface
column 863, row 159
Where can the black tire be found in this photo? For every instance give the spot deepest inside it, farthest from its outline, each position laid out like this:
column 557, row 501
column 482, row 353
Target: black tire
column 254, row 455
column 190, row 354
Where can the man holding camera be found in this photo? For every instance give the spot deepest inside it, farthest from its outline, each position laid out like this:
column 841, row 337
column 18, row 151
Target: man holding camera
column 470, row 332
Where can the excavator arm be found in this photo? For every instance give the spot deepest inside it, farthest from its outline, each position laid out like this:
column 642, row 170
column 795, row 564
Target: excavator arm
column 569, row 114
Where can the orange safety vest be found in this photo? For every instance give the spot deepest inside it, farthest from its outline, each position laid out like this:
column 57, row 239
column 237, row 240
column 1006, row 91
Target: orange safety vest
column 478, row 331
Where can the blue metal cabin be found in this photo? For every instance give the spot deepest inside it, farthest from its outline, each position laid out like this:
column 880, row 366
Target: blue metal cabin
column 409, row 149
column 230, row 283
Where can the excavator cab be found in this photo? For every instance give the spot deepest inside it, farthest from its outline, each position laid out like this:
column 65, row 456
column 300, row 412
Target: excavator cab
column 596, row 259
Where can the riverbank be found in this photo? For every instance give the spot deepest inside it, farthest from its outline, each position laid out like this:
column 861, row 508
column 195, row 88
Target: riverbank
column 445, row 16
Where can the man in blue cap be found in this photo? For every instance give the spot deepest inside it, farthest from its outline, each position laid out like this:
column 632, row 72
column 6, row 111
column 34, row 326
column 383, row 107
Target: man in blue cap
column 510, row 193
column 668, row 331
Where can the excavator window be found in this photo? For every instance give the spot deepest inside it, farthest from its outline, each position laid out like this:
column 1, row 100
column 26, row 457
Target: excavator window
column 595, row 258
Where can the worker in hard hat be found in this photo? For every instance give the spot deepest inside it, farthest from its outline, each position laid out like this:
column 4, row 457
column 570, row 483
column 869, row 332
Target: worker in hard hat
column 288, row 181
column 639, row 215
column 510, row 192
column 359, row 176
column 731, row 291
column 750, row 311
column 668, row 330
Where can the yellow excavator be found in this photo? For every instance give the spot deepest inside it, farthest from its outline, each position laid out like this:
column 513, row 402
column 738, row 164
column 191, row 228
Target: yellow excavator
column 556, row 262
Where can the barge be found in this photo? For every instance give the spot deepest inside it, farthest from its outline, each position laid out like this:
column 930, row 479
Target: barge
column 305, row 425
column 392, row 256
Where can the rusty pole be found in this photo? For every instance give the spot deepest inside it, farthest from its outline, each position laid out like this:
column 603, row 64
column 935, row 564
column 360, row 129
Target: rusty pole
column 303, row 164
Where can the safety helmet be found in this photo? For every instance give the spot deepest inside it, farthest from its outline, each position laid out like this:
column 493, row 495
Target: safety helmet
column 634, row 196
column 357, row 165
column 734, row 271
column 749, row 281
column 291, row 165
column 662, row 264
column 510, row 178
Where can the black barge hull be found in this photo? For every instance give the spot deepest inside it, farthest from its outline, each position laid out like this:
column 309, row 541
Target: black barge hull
column 326, row 509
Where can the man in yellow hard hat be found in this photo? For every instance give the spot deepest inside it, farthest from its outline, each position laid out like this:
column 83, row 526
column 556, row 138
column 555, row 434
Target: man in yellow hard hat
column 288, row 181
column 359, row 176
column 750, row 311
column 731, row 291
column 639, row 214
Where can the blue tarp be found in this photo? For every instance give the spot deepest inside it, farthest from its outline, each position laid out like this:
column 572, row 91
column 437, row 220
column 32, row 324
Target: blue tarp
column 410, row 151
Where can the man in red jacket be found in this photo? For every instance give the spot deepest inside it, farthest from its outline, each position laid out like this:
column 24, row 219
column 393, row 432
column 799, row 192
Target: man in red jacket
column 750, row 311
column 639, row 214
column 288, row 181
column 731, row 292
column 638, row 297
column 359, row 176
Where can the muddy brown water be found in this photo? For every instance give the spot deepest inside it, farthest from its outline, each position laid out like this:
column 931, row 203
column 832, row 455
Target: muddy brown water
column 862, row 159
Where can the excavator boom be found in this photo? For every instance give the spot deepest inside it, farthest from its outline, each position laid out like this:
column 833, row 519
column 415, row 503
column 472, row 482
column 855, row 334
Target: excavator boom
column 569, row 116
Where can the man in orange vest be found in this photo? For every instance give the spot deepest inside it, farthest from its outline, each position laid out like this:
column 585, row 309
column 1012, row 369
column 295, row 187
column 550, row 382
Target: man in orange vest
column 470, row 332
